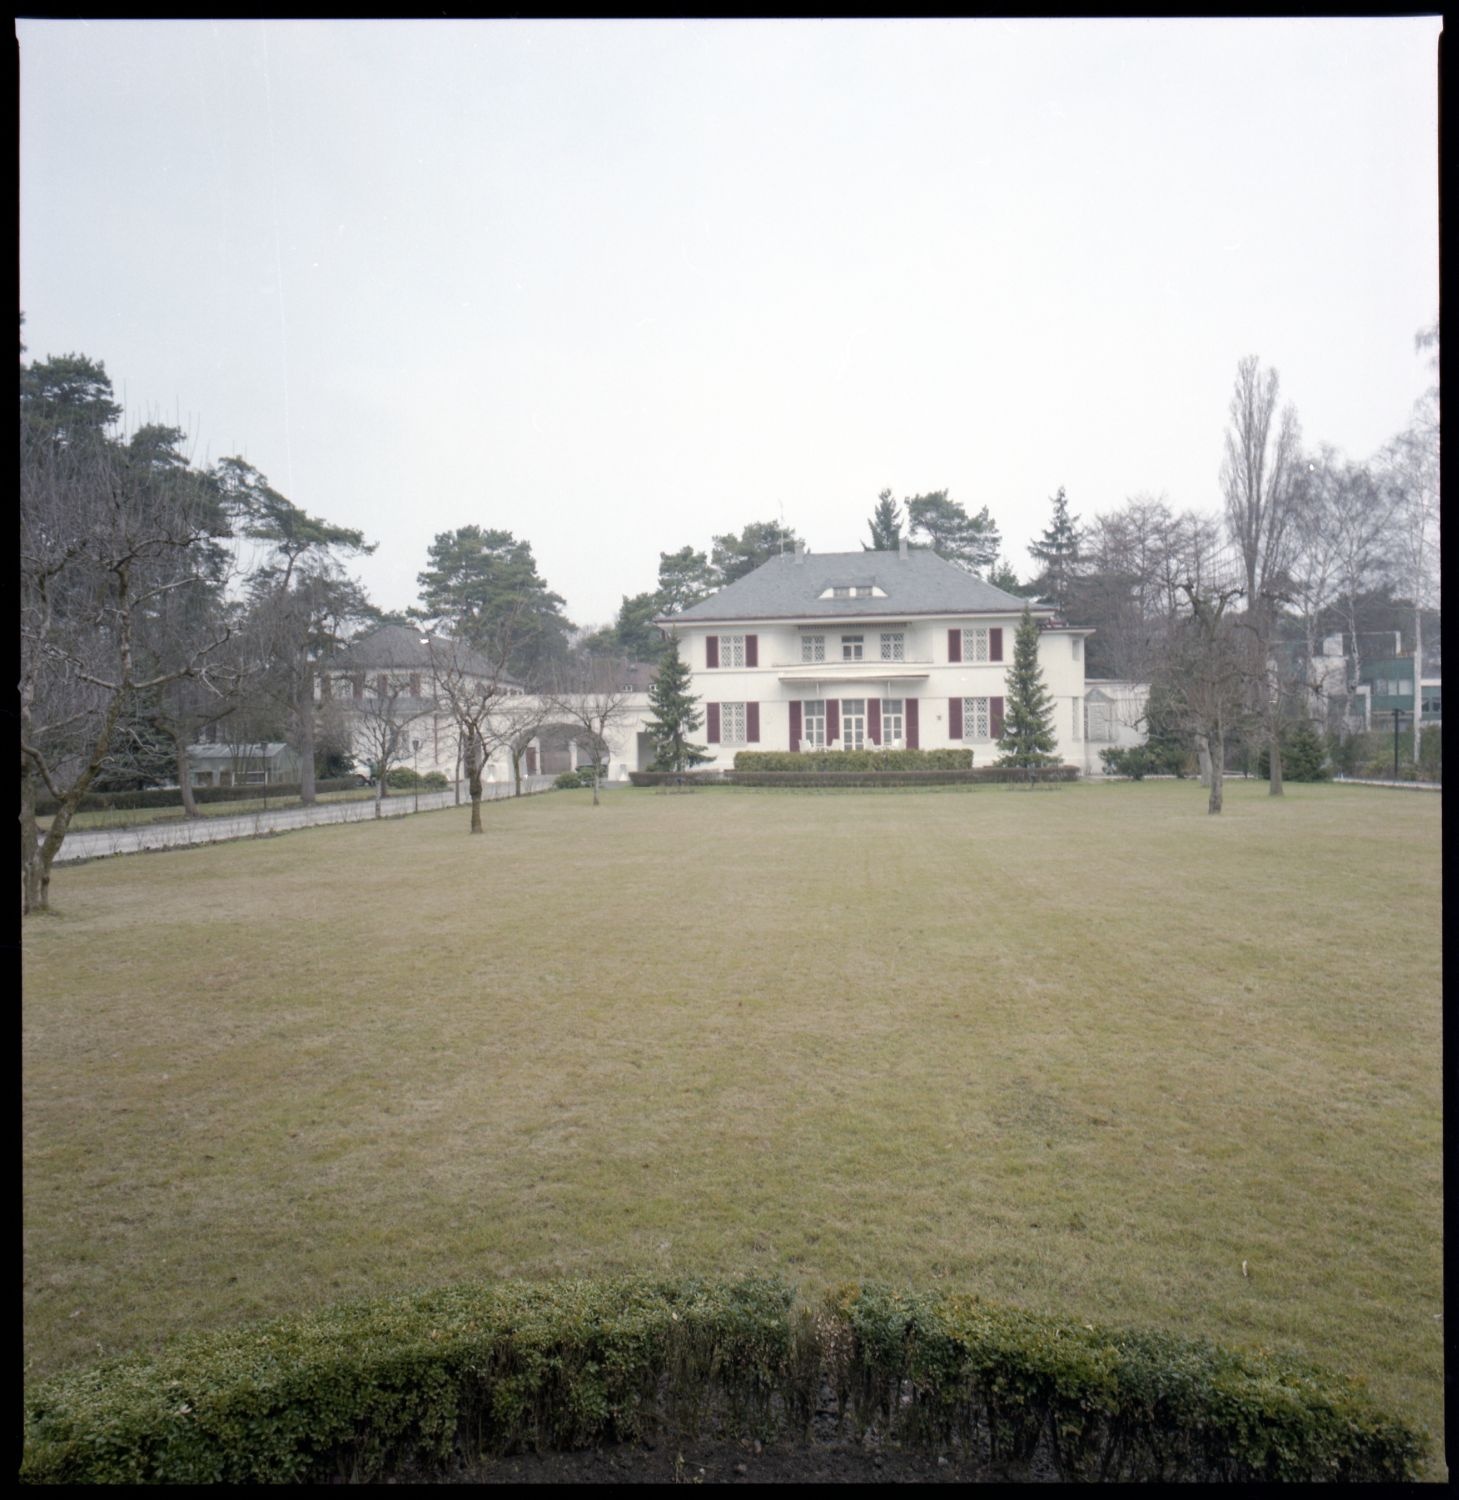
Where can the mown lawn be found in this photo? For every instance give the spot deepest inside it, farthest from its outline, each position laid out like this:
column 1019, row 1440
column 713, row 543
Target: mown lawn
column 1086, row 1050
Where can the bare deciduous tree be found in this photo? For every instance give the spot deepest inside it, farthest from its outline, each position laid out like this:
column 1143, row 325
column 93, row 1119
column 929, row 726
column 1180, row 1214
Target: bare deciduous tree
column 1411, row 463
column 1257, row 477
column 589, row 692
column 104, row 543
column 471, row 686
column 383, row 721
column 1204, row 677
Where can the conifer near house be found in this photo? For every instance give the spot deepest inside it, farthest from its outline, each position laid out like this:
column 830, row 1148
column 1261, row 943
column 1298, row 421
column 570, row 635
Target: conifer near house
column 675, row 715
column 1028, row 712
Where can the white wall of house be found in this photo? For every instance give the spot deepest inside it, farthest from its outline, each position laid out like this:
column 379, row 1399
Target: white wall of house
column 899, row 660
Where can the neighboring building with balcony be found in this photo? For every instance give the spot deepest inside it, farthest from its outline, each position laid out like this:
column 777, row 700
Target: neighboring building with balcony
column 1390, row 686
column 849, row 650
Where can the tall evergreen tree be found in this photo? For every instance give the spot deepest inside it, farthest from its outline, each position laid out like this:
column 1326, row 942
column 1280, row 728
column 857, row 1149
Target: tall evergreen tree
column 885, row 524
column 972, row 542
column 685, row 577
column 1028, row 712
column 1058, row 552
column 1002, row 576
column 732, row 556
column 487, row 583
column 676, row 715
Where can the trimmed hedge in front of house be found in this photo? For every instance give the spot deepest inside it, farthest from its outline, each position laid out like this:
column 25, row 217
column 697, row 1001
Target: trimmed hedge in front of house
column 984, row 775
column 676, row 778
column 171, row 796
column 355, row 1389
column 802, row 761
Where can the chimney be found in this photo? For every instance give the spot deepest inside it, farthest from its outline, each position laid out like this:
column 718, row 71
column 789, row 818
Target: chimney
column 799, row 551
column 902, row 548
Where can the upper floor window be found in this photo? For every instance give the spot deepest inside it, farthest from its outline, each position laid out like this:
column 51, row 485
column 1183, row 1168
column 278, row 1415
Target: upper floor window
column 893, row 646
column 731, row 650
column 813, row 648
column 853, row 647
column 853, row 591
column 975, row 645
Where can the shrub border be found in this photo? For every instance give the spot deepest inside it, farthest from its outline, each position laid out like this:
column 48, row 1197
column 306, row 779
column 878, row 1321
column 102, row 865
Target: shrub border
column 359, row 1387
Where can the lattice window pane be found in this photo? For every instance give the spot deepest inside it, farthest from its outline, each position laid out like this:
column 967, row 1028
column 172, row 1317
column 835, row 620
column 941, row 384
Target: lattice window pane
column 975, row 719
column 975, row 645
column 893, row 646
column 813, row 648
column 732, row 723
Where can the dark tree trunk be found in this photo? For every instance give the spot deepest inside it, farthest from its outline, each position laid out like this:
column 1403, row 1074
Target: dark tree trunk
column 305, row 714
column 189, row 802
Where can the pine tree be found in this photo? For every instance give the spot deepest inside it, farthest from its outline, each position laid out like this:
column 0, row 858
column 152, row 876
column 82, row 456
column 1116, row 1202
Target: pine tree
column 1028, row 713
column 676, row 716
column 885, row 524
column 1002, row 576
column 1058, row 550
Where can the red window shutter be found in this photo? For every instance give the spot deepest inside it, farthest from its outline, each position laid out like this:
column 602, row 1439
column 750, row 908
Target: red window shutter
column 795, row 725
column 752, row 651
column 711, row 655
column 954, row 718
column 752, row 723
column 910, row 709
column 995, row 718
column 711, row 721
column 954, row 645
column 873, row 720
column 833, row 720
column 995, row 643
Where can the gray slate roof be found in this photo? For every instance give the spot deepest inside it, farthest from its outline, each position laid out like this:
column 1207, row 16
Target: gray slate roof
column 393, row 647
column 270, row 751
column 919, row 584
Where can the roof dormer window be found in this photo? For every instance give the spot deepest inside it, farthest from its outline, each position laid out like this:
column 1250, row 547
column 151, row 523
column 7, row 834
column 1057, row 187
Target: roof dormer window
column 853, row 591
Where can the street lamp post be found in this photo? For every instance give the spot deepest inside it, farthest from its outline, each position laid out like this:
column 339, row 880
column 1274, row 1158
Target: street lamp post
column 415, row 767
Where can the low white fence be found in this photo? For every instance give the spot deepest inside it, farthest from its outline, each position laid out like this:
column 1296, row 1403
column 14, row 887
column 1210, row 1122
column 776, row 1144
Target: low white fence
column 93, row 843
column 1401, row 786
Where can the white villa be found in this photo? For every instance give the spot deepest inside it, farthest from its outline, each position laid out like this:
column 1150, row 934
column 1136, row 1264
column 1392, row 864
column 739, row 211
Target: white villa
column 843, row 650
column 854, row 649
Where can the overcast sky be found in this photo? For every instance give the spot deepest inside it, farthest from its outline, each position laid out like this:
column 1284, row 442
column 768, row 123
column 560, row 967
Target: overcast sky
column 616, row 287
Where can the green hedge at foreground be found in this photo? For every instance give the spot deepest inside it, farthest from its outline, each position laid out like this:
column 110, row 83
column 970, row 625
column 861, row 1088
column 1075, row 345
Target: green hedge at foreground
column 853, row 760
column 356, row 1388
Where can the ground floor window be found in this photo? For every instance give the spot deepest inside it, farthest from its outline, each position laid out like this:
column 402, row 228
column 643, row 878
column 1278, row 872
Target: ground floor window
column 252, row 778
column 813, row 724
column 976, row 721
column 732, row 723
column 202, row 778
column 853, row 723
column 892, row 722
